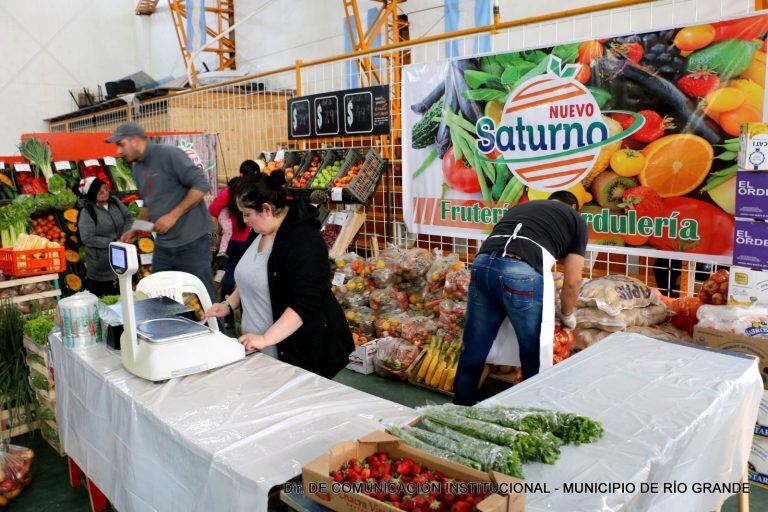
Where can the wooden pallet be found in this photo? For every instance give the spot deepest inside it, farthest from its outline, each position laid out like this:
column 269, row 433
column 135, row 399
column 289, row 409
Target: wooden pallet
column 32, row 280
column 18, row 415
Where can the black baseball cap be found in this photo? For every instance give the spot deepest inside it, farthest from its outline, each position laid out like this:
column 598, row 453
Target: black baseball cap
column 127, row 130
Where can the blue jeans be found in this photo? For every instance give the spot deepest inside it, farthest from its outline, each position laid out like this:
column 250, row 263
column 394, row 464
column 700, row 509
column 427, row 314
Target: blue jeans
column 500, row 287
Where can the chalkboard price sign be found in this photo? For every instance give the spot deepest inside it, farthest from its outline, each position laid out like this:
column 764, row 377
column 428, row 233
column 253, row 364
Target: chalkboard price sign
column 353, row 112
column 299, row 124
column 326, row 115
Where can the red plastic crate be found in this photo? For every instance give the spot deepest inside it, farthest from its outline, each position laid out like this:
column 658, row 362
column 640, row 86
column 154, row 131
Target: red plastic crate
column 32, row 262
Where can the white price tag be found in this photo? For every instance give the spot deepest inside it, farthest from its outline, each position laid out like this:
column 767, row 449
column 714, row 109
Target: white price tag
column 338, row 279
column 336, row 193
column 146, row 258
column 280, row 156
column 110, row 160
column 62, row 165
column 21, row 167
column 91, row 163
column 2, row 165
column 342, row 217
column 219, row 277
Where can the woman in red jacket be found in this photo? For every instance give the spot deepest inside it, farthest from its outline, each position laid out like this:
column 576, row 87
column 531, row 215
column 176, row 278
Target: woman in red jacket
column 235, row 239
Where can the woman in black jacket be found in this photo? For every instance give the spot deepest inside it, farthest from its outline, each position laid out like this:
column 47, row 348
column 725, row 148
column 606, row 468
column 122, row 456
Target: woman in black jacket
column 309, row 329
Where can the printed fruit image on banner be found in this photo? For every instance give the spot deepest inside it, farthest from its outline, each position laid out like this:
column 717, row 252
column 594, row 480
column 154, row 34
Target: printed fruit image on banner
column 642, row 129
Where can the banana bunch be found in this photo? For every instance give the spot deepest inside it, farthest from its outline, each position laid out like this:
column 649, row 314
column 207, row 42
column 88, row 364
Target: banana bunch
column 438, row 368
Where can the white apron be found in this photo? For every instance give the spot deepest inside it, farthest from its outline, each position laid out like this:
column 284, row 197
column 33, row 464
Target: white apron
column 505, row 349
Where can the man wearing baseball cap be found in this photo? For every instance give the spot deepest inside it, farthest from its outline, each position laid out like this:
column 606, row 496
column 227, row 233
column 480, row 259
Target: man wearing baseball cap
column 172, row 188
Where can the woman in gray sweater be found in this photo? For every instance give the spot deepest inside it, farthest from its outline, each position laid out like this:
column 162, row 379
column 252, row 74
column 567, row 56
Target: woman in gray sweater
column 102, row 220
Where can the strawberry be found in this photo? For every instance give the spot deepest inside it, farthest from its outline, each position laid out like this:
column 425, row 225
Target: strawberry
column 393, row 497
column 461, row 506
column 631, row 51
column 436, row 505
column 407, row 504
column 416, row 470
column 402, row 468
column 645, row 201
column 419, row 501
column 698, row 83
column 337, row 476
column 383, row 457
column 653, row 128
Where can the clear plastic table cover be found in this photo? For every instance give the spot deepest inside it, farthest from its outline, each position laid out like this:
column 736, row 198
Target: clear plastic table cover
column 671, row 412
column 212, row 441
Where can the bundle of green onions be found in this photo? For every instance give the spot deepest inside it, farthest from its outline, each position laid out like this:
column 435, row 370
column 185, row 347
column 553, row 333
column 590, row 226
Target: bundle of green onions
column 39, row 154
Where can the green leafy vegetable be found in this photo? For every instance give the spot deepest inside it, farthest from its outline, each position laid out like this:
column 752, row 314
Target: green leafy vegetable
column 38, row 329
column 568, row 53
column 39, row 154
column 542, row 447
column 109, row 300
column 421, row 445
column 475, row 79
column 123, row 176
column 492, row 456
column 485, row 94
column 15, row 391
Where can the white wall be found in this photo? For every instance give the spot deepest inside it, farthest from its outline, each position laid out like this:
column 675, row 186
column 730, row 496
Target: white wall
column 48, row 47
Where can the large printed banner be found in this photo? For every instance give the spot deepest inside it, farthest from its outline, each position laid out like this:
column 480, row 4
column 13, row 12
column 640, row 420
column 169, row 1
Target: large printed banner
column 642, row 129
column 201, row 149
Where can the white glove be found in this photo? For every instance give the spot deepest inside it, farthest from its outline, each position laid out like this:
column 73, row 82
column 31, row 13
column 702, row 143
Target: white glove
column 568, row 321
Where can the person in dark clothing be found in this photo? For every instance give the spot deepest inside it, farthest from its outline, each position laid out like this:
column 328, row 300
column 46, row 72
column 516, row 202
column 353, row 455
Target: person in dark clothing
column 288, row 260
column 508, row 281
column 102, row 220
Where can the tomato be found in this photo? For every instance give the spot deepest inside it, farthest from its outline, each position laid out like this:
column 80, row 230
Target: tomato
column 715, row 228
column 627, row 162
column 589, row 51
column 583, row 74
column 458, row 175
column 693, row 38
column 635, row 239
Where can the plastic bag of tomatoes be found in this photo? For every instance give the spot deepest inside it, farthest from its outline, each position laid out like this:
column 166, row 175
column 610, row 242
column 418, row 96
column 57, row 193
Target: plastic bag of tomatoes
column 15, row 465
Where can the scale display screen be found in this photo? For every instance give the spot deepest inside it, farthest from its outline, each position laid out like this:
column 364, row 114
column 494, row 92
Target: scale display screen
column 118, row 257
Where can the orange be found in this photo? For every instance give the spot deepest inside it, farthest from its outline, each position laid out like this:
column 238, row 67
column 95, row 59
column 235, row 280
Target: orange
column 732, row 120
column 756, row 70
column 676, row 164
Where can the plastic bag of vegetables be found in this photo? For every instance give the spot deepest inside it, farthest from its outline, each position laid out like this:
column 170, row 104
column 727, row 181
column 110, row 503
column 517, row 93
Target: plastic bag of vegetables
column 15, row 465
column 440, row 269
column 414, row 263
column 393, row 357
column 418, row 329
column 457, row 284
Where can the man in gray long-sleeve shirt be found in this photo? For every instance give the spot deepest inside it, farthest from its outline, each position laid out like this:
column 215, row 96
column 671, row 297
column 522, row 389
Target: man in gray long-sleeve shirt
column 172, row 188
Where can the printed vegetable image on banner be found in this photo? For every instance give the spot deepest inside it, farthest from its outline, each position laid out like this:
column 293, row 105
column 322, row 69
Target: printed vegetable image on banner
column 642, row 129
column 201, row 149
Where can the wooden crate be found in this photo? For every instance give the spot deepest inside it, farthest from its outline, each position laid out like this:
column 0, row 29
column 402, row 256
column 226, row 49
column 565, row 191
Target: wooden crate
column 18, row 415
column 56, row 292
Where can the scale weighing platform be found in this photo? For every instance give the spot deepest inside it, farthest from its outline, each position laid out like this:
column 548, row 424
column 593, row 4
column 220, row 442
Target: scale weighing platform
column 162, row 348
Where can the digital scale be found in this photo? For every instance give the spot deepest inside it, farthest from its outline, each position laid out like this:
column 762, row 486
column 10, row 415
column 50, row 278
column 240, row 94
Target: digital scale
column 159, row 349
